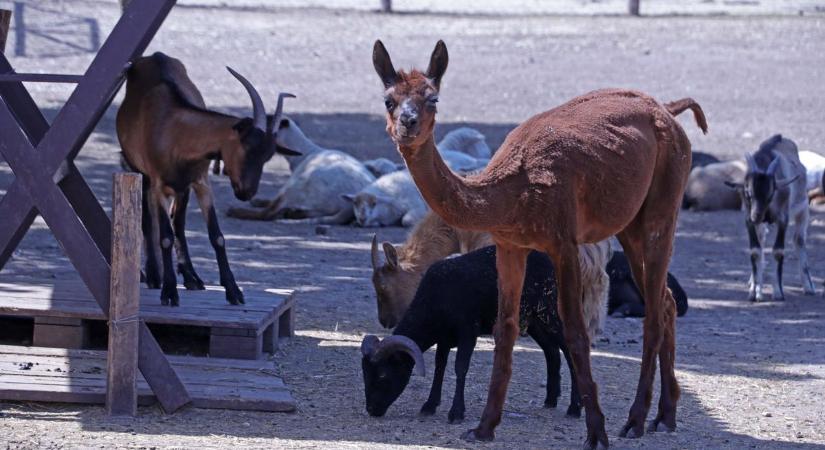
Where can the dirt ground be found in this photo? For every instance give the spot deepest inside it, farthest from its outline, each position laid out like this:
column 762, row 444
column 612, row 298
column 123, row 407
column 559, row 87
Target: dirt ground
column 752, row 375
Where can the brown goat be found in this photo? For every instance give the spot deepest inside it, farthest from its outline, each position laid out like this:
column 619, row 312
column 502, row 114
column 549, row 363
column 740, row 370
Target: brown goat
column 432, row 240
column 167, row 134
column 611, row 162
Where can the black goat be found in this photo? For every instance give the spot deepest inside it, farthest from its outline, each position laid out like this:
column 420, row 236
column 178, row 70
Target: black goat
column 456, row 302
column 624, row 297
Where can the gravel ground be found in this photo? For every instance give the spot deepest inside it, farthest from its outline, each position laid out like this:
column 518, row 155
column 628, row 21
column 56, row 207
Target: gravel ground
column 752, row 375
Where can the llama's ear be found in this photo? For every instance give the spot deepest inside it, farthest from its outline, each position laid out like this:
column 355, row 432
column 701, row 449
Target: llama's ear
column 391, row 255
column 438, row 64
column 383, row 64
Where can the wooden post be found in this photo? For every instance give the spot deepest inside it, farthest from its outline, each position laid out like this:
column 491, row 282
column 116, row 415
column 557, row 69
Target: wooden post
column 124, row 296
column 5, row 21
column 633, row 7
column 386, row 6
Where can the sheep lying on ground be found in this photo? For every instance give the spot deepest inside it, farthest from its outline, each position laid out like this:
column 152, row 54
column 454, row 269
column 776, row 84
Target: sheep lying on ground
column 396, row 280
column 381, row 166
column 390, row 200
column 706, row 189
column 702, row 159
column 466, row 140
column 312, row 192
column 624, row 298
column 456, row 302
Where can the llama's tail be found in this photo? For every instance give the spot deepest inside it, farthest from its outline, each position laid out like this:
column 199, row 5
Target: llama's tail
column 679, row 106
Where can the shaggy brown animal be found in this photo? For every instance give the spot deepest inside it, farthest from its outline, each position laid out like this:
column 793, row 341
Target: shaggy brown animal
column 432, row 240
column 611, row 162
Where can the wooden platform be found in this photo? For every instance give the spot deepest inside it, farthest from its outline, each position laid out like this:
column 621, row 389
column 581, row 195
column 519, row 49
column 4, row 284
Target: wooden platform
column 63, row 309
column 79, row 376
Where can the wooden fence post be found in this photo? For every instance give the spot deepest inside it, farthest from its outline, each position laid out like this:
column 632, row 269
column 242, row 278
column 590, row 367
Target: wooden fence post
column 5, row 22
column 124, row 296
column 633, row 7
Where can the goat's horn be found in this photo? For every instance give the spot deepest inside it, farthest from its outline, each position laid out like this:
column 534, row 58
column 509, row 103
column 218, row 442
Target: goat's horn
column 398, row 343
column 773, row 166
column 369, row 344
column 279, row 109
column 376, row 262
column 751, row 162
column 258, row 111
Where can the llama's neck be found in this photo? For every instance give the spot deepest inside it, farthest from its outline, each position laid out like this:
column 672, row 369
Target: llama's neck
column 461, row 202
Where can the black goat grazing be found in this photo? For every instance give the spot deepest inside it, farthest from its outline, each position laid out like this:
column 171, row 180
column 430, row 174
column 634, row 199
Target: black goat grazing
column 773, row 193
column 167, row 134
column 457, row 301
column 624, row 297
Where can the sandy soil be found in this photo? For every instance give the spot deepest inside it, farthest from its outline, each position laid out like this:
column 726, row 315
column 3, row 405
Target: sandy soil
column 752, row 375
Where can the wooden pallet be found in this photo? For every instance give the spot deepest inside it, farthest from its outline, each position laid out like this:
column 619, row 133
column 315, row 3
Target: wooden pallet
column 62, row 310
column 79, row 376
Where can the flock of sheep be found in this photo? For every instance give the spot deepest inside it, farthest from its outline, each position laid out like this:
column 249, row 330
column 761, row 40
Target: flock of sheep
column 430, row 297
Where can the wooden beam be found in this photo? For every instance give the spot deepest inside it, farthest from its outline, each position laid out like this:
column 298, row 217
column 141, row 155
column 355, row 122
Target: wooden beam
column 5, row 21
column 40, row 77
column 124, row 296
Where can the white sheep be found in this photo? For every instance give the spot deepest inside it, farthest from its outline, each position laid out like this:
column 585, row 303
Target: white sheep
column 312, row 192
column 706, row 189
column 381, row 166
column 814, row 166
column 467, row 140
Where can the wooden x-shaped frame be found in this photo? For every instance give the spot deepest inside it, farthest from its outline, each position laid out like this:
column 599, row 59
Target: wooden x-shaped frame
column 47, row 181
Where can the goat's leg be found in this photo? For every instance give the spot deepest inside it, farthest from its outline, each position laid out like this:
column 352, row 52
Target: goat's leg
column 442, row 352
column 568, row 274
column 190, row 279
column 206, row 201
column 552, row 360
column 779, row 256
column 800, row 238
column 757, row 263
column 575, row 408
column 464, row 354
column 510, row 263
column 667, row 360
column 169, row 291
column 151, row 237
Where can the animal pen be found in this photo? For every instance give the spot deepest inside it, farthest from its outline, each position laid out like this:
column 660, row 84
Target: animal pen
column 106, row 255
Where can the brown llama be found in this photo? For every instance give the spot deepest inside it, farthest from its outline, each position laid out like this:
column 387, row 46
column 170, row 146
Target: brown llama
column 611, row 162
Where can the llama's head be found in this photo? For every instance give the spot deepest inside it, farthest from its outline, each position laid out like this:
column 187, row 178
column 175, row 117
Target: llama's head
column 410, row 97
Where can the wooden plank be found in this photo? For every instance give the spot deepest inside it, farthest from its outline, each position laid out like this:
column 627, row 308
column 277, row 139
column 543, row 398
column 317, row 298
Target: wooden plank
column 48, row 320
column 241, row 347
column 124, row 296
column 64, row 336
column 5, row 22
column 38, row 77
column 160, row 375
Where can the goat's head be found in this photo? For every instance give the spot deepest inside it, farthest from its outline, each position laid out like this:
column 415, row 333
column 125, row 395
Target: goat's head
column 394, row 286
column 256, row 144
column 410, row 97
column 759, row 188
column 387, row 366
column 374, row 210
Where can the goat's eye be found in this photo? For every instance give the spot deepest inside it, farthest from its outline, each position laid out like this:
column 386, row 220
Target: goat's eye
column 389, row 103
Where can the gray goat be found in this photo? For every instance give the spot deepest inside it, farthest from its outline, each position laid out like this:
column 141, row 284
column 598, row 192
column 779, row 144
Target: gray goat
column 773, row 193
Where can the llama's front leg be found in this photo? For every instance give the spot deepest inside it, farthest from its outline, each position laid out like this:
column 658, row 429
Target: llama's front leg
column 169, row 291
column 568, row 274
column 442, row 352
column 779, row 256
column 206, row 201
column 757, row 264
column 462, row 364
column 800, row 238
column 510, row 263
column 190, row 279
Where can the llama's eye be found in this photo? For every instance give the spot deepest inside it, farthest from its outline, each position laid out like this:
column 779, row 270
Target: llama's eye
column 432, row 100
column 389, row 104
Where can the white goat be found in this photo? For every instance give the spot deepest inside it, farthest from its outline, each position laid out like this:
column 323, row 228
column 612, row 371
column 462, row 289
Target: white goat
column 312, row 192
column 706, row 189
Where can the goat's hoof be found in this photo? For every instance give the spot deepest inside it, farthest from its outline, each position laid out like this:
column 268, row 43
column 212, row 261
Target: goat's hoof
column 454, row 417
column 590, row 444
column 194, row 285
column 779, row 298
column 551, row 402
column 574, row 411
column 169, row 296
column 809, row 292
column 754, row 299
column 234, row 296
column 658, row 425
column 428, row 409
column 632, row 430
column 476, row 435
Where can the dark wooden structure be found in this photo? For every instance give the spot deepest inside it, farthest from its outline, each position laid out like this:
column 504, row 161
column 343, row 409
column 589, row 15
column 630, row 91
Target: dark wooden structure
column 79, row 376
column 106, row 256
column 63, row 311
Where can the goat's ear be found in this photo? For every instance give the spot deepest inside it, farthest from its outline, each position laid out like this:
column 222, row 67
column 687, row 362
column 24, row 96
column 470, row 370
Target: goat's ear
column 783, row 183
column 369, row 344
column 383, row 64
column 348, row 197
column 736, row 186
column 391, row 255
column 438, row 64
